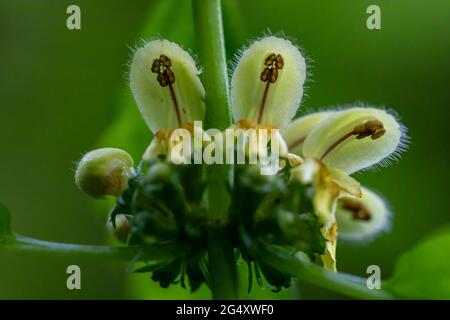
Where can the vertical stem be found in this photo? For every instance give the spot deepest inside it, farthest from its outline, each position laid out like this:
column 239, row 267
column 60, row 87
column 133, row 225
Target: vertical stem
column 210, row 41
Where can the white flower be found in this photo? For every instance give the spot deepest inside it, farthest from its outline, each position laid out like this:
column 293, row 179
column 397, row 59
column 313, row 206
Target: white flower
column 166, row 86
column 267, row 88
column 334, row 145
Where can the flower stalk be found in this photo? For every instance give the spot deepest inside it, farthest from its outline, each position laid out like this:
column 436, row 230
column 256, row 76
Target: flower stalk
column 211, row 45
column 26, row 245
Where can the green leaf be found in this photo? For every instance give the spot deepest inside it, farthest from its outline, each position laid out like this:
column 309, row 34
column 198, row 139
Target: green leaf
column 5, row 223
column 424, row 271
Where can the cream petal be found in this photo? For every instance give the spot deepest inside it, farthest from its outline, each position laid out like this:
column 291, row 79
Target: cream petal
column 355, row 154
column 360, row 218
column 283, row 95
column 156, row 103
column 296, row 133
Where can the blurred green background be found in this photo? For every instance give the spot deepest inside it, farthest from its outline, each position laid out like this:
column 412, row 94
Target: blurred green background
column 64, row 92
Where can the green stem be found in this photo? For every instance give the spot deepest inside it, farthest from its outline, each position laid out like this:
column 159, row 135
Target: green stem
column 211, row 46
column 346, row 284
column 21, row 244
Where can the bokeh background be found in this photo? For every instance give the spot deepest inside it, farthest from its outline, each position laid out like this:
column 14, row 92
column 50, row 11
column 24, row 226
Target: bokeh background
column 64, row 92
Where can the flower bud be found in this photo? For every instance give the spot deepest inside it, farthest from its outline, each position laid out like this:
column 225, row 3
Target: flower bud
column 104, row 172
column 165, row 84
column 267, row 83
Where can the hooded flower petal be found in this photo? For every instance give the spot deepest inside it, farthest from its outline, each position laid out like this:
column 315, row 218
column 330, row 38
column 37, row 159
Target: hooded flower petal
column 355, row 139
column 267, row 83
column 359, row 218
column 165, row 84
column 295, row 135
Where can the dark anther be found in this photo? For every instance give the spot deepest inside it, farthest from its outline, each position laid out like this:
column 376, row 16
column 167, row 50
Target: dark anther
column 273, row 63
column 155, row 66
column 165, row 61
column 372, row 128
column 162, row 66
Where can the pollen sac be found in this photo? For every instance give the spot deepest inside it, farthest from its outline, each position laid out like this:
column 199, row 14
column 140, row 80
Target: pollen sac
column 165, row 83
column 355, row 139
column 104, row 172
column 297, row 131
column 361, row 218
column 267, row 82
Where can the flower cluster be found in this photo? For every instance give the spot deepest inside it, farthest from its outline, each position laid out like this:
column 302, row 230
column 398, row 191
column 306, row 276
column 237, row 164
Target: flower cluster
column 303, row 206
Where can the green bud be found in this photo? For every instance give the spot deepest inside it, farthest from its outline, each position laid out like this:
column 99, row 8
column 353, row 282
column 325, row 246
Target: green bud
column 104, row 172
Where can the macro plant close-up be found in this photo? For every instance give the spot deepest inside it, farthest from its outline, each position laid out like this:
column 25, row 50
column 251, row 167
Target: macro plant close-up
column 227, row 150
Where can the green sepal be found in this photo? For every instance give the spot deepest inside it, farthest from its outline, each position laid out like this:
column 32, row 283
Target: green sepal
column 195, row 275
column 167, row 275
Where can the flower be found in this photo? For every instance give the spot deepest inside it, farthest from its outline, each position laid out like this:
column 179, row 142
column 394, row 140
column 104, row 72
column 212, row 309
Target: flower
column 336, row 144
column 320, row 150
column 165, row 83
column 266, row 91
column 267, row 88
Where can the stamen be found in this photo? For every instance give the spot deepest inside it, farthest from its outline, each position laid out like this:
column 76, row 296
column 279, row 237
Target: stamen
column 356, row 208
column 165, row 78
column 373, row 128
column 272, row 63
